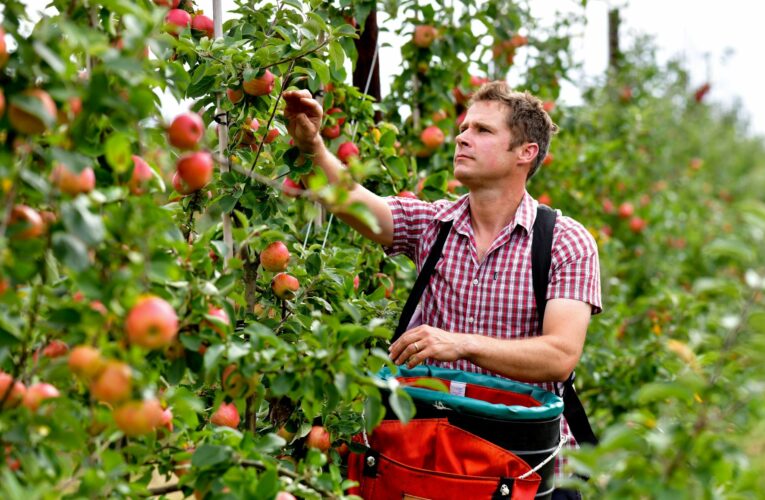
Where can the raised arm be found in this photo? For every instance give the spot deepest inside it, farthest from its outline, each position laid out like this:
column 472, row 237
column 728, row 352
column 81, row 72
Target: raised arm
column 303, row 116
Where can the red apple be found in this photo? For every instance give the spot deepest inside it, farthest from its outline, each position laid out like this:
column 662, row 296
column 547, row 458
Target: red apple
column 151, row 323
column 271, row 136
column 2, row 103
column 226, row 415
column 696, row 163
column 186, row 130
column 545, row 199
column 218, row 313
column 235, row 95
column 235, row 384
column 608, row 206
column 385, row 281
column 356, row 282
column 73, row 183
column 626, row 210
column 407, row 194
column 85, row 362
column 138, row 418
column 140, row 177
column 519, row 40
column 285, row 434
column 55, row 349
column 637, row 224
column 166, row 420
column 283, row 495
column 291, row 187
column 173, row 4
column 331, row 131
column 16, row 393
column 548, row 106
column 275, row 257
column 625, row 93
column 432, row 137
column 318, row 438
column 701, row 92
column 285, row 285
column 452, row 185
column 114, row 384
column 337, row 114
column 346, row 151
column 3, row 50
column 548, row 159
column 25, row 223
column 195, row 171
column 13, row 464
column 27, row 123
column 177, row 20
column 424, row 35
column 261, row 85
column 203, row 25
column 37, row 393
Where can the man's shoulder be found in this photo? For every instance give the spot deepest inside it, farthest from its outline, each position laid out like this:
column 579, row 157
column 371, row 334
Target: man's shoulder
column 438, row 210
column 570, row 232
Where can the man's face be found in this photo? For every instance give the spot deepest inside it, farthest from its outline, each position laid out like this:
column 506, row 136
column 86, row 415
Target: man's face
column 482, row 156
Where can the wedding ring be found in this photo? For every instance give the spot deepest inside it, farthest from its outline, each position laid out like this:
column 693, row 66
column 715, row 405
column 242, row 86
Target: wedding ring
column 416, row 347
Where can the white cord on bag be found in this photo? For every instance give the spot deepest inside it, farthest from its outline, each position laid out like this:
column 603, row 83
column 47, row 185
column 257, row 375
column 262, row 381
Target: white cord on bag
column 563, row 441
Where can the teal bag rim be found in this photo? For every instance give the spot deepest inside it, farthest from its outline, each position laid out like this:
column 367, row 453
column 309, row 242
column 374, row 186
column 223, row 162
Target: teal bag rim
column 551, row 406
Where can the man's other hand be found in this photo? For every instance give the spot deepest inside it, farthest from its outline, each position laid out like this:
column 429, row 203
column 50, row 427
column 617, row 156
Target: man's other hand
column 423, row 342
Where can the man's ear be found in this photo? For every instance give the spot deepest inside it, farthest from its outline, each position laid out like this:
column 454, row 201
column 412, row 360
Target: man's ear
column 528, row 152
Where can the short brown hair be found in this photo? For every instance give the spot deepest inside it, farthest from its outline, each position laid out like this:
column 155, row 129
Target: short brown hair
column 527, row 119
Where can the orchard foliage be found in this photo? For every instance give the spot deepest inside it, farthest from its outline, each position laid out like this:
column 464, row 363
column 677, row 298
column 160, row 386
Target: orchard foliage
column 174, row 303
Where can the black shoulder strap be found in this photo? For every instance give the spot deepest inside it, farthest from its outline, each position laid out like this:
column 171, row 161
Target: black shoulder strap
column 422, row 280
column 541, row 258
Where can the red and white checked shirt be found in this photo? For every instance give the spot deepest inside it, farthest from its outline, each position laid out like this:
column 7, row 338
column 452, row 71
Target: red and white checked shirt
column 494, row 297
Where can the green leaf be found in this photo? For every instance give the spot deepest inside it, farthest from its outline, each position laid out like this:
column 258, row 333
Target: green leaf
column 49, row 57
column 313, row 264
column 71, row 251
column 208, row 455
column 402, row 404
column 321, row 68
column 35, row 107
column 268, row 484
column 117, row 150
column 373, row 412
column 336, row 54
column 212, row 356
column 79, row 221
column 397, row 167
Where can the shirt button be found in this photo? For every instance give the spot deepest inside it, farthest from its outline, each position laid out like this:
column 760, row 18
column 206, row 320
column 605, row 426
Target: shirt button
column 470, row 319
column 475, row 281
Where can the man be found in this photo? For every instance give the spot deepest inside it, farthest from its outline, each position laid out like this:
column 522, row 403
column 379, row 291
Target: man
column 478, row 311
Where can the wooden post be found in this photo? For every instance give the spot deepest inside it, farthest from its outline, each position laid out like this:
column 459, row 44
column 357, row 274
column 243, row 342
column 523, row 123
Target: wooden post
column 367, row 64
column 614, row 55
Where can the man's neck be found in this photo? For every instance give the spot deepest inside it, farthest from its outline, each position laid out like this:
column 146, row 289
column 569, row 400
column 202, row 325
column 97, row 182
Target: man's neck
column 492, row 210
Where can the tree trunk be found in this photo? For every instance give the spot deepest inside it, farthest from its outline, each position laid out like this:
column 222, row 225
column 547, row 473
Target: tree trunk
column 365, row 46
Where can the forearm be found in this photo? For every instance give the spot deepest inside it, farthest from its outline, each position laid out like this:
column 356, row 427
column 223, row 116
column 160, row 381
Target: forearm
column 536, row 359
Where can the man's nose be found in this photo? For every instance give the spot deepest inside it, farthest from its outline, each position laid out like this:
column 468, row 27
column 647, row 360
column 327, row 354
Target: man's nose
column 461, row 139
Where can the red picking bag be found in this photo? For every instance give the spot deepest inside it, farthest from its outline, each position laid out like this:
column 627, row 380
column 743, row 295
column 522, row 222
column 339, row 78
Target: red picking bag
column 432, row 459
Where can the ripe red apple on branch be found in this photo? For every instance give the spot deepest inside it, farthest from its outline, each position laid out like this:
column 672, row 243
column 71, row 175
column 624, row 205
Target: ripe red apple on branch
column 176, row 21
column 15, row 393
column 318, row 438
column 138, row 418
column 235, row 95
column 86, row 362
column 73, row 183
column 3, row 50
column 226, row 416
column 432, row 137
column 186, row 130
column 25, row 223
column 285, row 286
column 346, row 151
column 37, row 393
column 194, row 170
column 29, row 123
column 201, row 25
column 260, row 85
column 275, row 257
column 151, row 323
column 424, row 35
column 114, row 384
column 140, row 177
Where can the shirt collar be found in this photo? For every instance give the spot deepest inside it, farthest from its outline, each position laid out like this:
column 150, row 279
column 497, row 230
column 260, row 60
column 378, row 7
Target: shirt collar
column 459, row 213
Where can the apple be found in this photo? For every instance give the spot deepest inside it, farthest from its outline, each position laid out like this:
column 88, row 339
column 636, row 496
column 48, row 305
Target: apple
column 637, row 224
column 626, row 210
column 226, row 415
column 85, row 362
column 195, row 171
column 701, row 92
column 16, row 394
column 203, row 26
column 138, row 418
column 25, row 223
column 151, row 323
column 291, row 188
column 55, row 349
column 696, row 163
column 275, row 257
column 140, row 177
column 283, row 495
column 608, row 206
column 424, row 35
column 177, row 20
column 548, row 159
column 407, row 194
column 28, row 123
column 235, row 95
column 318, row 438
column 37, row 393
column 114, row 384
column 545, row 199
column 3, row 50
column 340, row 120
column 13, row 464
column 261, row 85
column 356, row 282
column 432, row 137
column 286, row 434
column 220, row 314
column 271, row 136
column 186, row 130
column 2, row 103
column 347, row 150
column 285, row 285
column 173, row 4
column 625, row 93
column 236, row 385
column 519, row 40
column 452, row 185
column 548, row 106
column 73, row 183
column 331, row 131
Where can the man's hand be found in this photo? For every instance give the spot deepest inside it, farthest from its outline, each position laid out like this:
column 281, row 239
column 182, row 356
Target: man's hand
column 423, row 342
column 303, row 116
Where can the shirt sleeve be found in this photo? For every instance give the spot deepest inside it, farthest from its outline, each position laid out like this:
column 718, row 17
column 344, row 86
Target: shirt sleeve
column 575, row 268
column 410, row 219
